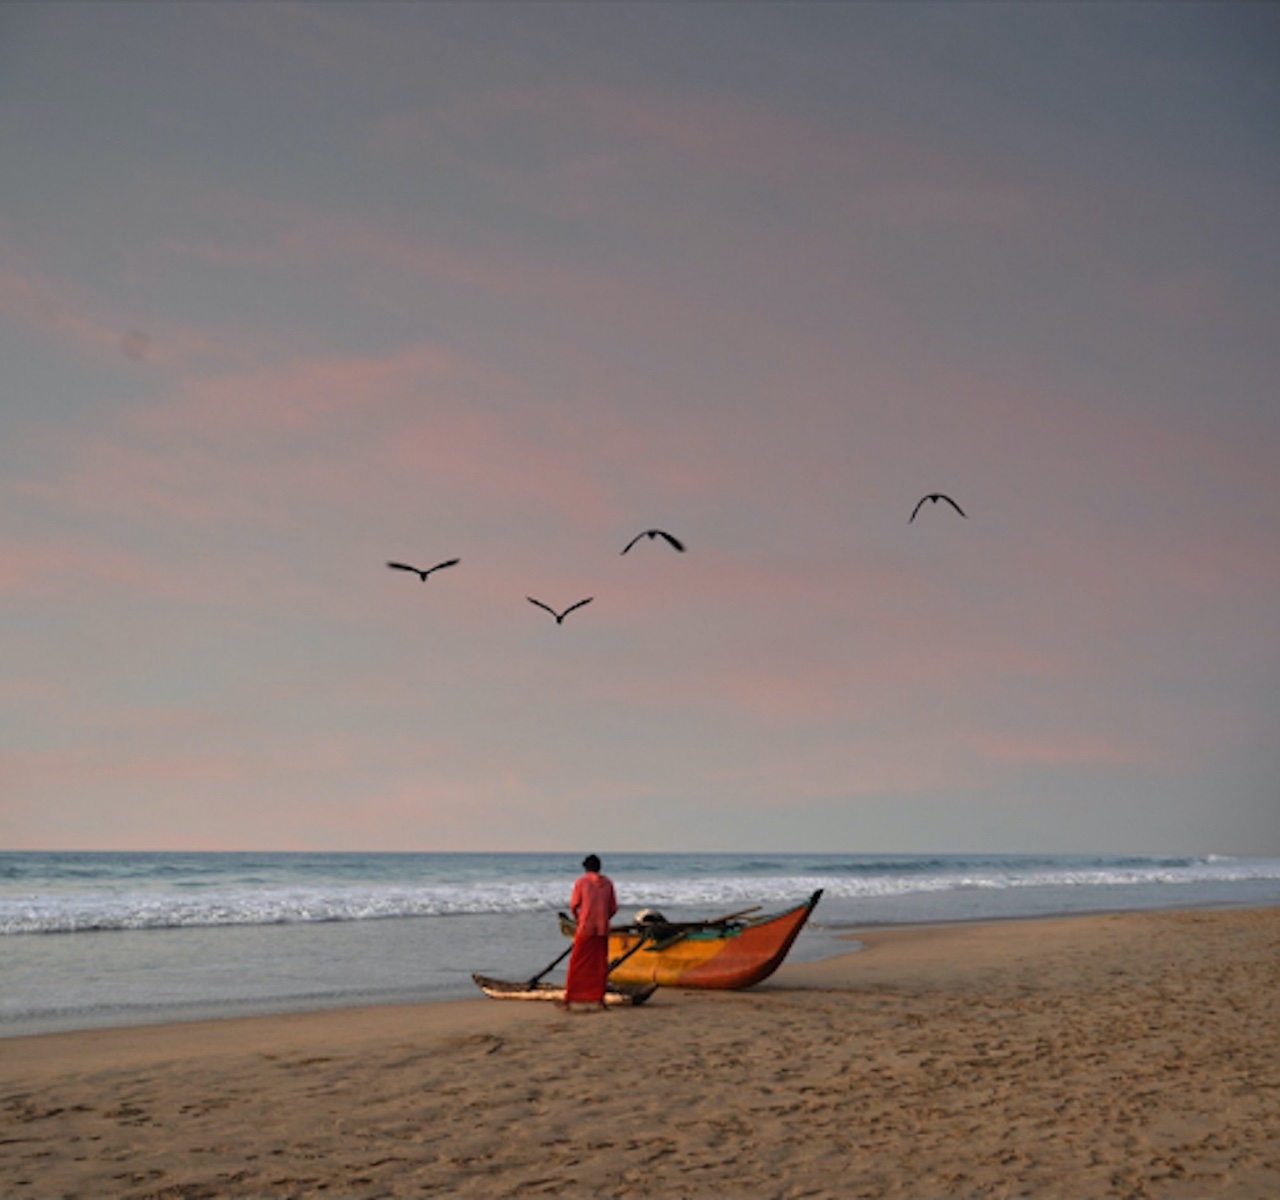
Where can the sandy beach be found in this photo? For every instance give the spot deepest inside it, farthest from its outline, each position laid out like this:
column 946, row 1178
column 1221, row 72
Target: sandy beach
column 1134, row 1055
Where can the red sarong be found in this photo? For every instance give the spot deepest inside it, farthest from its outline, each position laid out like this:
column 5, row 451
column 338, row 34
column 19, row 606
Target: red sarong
column 592, row 904
column 588, row 969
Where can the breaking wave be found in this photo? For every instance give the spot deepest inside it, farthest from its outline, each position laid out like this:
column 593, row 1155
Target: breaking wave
column 71, row 894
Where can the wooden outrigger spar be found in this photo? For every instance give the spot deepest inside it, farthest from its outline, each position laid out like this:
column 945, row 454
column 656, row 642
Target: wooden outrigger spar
column 502, row 989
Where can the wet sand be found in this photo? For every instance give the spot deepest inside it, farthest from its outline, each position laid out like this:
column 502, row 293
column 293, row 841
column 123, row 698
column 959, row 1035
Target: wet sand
column 1134, row 1055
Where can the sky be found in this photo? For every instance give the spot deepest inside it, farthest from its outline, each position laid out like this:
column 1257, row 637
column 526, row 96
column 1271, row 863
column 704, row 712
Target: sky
column 289, row 291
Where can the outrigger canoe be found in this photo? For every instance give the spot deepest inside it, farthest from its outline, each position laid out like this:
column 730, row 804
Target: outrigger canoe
column 729, row 952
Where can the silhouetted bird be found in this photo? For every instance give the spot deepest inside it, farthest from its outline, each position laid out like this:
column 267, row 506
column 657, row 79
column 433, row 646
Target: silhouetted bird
column 560, row 616
column 452, row 562
column 653, row 533
column 935, row 497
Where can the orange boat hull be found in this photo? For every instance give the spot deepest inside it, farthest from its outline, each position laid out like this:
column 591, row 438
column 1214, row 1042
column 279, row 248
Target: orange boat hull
column 733, row 955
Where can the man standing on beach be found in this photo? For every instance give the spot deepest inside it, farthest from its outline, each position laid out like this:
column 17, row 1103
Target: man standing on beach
column 593, row 904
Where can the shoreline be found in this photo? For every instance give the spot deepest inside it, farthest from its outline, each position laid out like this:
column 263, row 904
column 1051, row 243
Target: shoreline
column 1129, row 1054
column 1084, row 914
column 839, row 936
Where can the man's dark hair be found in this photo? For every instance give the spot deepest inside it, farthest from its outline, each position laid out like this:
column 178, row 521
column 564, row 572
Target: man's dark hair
column 591, row 863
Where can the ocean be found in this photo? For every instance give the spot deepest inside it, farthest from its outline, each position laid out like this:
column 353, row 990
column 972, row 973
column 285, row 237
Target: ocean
column 93, row 940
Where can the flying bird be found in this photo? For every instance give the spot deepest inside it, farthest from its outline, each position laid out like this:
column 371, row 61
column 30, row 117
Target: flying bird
column 935, row 497
column 560, row 616
column 653, row 533
column 451, row 562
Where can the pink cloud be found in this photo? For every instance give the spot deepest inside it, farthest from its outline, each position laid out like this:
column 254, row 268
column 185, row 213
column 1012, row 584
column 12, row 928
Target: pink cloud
column 124, row 338
column 670, row 165
column 34, row 569
column 247, row 787
column 224, row 450
column 1068, row 748
column 851, row 768
column 1188, row 298
column 69, row 570
column 276, row 235
column 304, row 392
column 38, row 303
column 708, row 131
column 99, row 766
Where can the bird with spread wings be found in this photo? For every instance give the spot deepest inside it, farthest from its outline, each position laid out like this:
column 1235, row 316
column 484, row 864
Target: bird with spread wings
column 935, row 497
column 675, row 543
column 397, row 566
column 560, row 616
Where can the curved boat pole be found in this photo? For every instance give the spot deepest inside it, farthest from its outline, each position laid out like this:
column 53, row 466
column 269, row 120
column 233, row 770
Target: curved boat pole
column 551, row 966
column 617, row 962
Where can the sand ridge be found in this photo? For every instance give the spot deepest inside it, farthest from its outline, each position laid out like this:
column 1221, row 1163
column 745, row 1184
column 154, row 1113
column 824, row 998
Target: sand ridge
column 1133, row 1056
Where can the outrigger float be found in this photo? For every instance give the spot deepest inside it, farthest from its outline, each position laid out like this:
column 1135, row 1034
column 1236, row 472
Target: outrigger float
column 503, row 989
column 730, row 952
